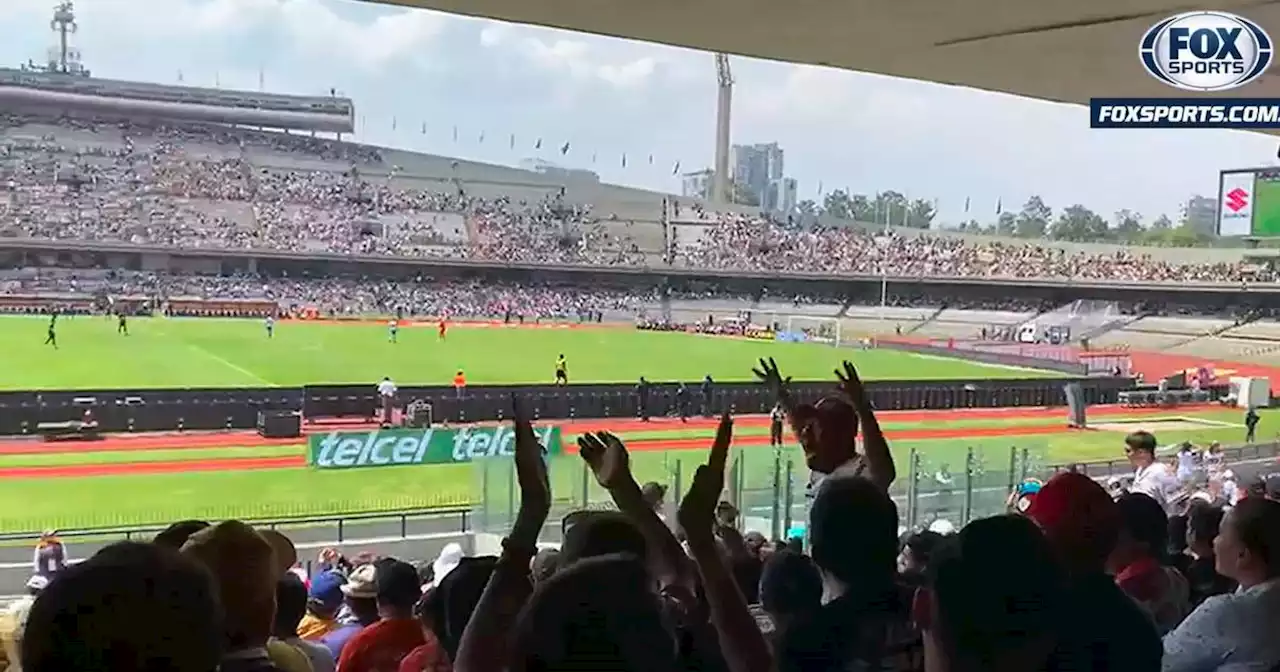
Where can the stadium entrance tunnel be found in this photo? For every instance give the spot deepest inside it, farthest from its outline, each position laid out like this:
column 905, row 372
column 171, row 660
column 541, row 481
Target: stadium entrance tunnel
column 1068, row 52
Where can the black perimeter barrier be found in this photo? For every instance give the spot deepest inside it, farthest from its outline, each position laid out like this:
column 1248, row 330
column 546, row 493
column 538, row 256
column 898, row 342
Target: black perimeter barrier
column 238, row 408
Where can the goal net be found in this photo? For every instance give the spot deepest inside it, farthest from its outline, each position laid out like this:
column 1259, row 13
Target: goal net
column 809, row 329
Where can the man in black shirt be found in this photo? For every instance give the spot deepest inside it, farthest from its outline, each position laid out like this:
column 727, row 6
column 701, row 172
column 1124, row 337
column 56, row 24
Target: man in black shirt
column 682, row 402
column 122, row 326
column 775, row 425
column 707, row 383
column 52, row 337
column 642, row 399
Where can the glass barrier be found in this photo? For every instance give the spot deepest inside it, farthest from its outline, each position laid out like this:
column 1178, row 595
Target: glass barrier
column 770, row 486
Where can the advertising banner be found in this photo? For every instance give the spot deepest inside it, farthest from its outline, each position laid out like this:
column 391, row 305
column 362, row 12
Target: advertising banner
column 401, row 447
column 1236, row 204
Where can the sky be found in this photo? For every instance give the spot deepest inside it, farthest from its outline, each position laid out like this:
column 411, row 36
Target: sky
column 407, row 69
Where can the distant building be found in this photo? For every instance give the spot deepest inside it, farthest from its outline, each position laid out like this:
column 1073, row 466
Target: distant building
column 758, row 170
column 1201, row 214
column 557, row 172
column 697, row 184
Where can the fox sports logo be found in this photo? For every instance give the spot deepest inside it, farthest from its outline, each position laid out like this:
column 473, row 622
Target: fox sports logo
column 1206, row 51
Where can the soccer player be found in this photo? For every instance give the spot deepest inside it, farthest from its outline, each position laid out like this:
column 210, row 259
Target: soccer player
column 562, row 371
column 392, row 329
column 52, row 337
column 271, row 326
column 442, row 329
column 122, row 325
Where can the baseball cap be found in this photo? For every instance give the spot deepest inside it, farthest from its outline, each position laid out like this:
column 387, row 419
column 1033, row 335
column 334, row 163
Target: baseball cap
column 1078, row 517
column 363, row 583
column 326, row 588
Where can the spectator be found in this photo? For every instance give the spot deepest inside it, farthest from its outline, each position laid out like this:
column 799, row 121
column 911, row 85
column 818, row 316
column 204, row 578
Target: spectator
column 598, row 613
column 1152, row 477
column 790, row 594
column 1138, row 562
column 917, row 550
column 177, row 534
column 361, row 592
column 448, row 559
column 13, row 622
column 866, row 618
column 995, row 599
column 245, row 572
column 324, row 600
column 1109, row 631
column 383, row 645
column 291, row 606
column 129, row 607
column 50, row 555
column 1236, row 631
column 1203, row 524
column 545, row 563
column 445, row 612
column 596, row 533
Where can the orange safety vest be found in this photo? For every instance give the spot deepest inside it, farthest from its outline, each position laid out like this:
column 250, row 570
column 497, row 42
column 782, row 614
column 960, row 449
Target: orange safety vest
column 459, row 381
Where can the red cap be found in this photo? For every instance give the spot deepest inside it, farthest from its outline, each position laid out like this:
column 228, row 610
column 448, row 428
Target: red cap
column 1079, row 518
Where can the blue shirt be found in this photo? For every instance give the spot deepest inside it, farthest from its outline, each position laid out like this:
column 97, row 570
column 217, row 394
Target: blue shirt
column 338, row 639
column 1235, row 632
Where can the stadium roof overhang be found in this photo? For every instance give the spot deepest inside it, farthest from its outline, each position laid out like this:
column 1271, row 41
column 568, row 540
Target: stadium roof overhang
column 1061, row 51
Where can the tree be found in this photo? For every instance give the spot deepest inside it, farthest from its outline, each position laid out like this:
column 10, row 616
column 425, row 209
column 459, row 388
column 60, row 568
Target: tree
column 1079, row 224
column 1128, row 225
column 863, row 209
column 892, row 208
column 920, row 214
column 836, row 204
column 1007, row 224
column 1033, row 221
column 807, row 207
column 1162, row 223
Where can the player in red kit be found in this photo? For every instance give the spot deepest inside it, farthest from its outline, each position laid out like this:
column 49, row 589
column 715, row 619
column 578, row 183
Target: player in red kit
column 443, row 329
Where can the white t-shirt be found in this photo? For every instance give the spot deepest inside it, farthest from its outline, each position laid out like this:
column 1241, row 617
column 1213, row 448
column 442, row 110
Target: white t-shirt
column 387, row 388
column 1156, row 481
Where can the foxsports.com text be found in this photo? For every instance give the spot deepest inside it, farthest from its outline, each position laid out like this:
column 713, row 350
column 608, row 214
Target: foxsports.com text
column 1164, row 113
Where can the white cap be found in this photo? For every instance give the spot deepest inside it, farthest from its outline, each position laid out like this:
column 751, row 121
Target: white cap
column 37, row 582
column 942, row 526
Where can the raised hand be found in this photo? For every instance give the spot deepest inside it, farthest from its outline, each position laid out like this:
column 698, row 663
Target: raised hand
column 608, row 459
column 851, row 385
column 771, row 377
column 697, row 513
column 531, row 474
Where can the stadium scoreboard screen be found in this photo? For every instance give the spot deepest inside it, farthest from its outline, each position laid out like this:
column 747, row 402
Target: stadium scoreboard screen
column 1249, row 203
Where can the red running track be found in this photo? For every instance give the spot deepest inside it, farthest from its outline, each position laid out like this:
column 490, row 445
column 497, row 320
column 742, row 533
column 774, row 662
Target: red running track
column 297, row 461
column 146, row 442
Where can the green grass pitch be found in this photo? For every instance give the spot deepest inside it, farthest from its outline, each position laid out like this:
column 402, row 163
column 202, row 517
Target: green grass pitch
column 178, row 352
column 163, row 352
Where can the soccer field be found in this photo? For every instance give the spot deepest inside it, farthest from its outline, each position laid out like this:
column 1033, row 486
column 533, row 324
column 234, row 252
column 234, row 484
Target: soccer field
column 242, row 475
column 195, row 352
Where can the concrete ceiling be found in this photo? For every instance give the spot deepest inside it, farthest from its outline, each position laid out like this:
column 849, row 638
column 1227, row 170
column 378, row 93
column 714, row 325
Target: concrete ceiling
column 1065, row 50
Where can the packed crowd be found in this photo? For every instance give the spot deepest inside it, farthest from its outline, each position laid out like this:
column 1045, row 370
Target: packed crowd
column 200, row 189
column 206, row 188
column 739, row 243
column 335, row 297
column 1072, row 578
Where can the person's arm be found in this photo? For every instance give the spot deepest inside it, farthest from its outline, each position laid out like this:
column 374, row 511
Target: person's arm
column 485, row 645
column 875, row 448
column 607, row 457
column 743, row 645
column 1196, row 643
